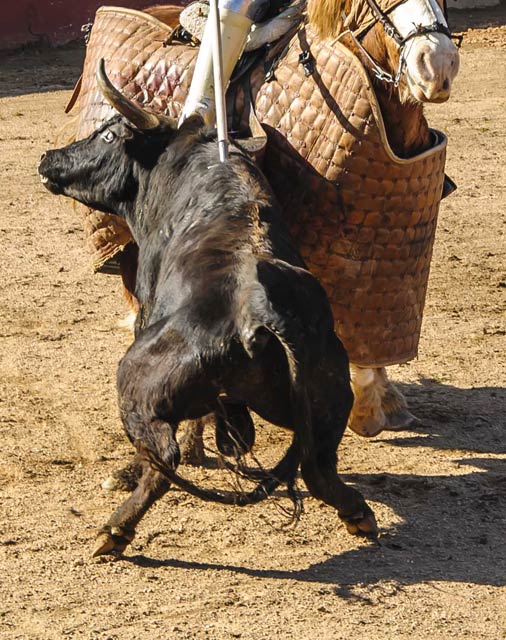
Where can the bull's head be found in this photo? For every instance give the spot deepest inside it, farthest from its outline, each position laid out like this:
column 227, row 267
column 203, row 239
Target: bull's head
column 103, row 171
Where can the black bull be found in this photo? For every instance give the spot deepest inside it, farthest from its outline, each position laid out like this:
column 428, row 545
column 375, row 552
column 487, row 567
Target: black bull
column 228, row 312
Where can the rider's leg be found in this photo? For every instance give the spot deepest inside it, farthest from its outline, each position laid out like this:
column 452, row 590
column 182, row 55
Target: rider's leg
column 236, row 17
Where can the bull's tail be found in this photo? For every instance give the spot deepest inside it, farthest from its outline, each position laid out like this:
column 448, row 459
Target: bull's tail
column 284, row 472
column 299, row 401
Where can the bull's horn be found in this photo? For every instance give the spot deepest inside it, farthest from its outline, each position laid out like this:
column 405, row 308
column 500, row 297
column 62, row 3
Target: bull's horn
column 129, row 109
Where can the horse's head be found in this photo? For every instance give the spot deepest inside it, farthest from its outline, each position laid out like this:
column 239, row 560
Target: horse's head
column 406, row 43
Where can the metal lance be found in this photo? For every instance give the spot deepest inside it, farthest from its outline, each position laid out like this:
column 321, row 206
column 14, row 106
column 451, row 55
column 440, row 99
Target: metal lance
column 219, row 85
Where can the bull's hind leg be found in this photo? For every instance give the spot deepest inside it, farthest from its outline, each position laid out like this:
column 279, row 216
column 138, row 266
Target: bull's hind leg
column 331, row 400
column 320, row 475
column 235, row 430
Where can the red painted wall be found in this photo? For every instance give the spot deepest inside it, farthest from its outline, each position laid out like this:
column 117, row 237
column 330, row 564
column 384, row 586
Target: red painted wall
column 51, row 21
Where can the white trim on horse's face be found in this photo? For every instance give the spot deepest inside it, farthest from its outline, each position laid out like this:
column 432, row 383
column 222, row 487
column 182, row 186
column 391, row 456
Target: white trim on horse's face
column 431, row 60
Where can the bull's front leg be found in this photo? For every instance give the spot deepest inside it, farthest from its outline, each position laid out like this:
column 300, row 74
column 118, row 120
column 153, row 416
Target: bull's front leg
column 119, row 531
column 158, row 450
column 192, row 452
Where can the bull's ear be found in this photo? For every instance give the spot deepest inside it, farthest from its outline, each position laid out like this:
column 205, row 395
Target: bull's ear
column 193, row 122
column 169, row 122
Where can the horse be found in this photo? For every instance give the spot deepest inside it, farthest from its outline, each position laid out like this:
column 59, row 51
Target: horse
column 413, row 60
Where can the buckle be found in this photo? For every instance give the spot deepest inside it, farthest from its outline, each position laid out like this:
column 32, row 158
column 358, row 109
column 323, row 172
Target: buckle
column 306, row 60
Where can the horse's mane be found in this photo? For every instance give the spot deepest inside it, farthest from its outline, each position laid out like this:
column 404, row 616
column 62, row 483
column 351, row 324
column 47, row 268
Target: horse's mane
column 326, row 16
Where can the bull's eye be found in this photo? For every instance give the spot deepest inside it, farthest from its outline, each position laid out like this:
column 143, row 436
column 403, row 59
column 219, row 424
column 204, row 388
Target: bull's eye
column 108, row 136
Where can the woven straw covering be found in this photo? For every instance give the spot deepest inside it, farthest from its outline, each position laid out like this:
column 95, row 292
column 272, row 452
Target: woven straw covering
column 363, row 218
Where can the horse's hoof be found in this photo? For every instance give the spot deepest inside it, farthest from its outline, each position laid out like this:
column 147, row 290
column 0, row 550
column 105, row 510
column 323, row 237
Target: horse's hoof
column 111, row 542
column 401, row 420
column 367, row 427
column 362, row 525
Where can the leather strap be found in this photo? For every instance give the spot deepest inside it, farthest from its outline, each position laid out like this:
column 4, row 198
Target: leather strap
column 75, row 95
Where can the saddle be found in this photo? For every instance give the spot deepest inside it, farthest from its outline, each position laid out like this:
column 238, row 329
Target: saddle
column 364, row 219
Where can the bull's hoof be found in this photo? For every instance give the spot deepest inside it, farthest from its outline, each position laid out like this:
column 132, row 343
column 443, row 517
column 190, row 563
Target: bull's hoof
column 112, row 541
column 401, row 420
column 125, row 479
column 362, row 524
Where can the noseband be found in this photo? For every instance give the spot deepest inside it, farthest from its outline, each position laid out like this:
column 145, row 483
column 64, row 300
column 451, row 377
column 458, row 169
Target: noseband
column 390, row 29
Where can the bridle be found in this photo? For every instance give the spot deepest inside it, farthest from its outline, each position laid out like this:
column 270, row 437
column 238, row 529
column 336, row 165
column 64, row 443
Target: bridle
column 380, row 16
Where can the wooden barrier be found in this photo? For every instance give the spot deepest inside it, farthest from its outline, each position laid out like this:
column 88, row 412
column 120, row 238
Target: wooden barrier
column 51, row 22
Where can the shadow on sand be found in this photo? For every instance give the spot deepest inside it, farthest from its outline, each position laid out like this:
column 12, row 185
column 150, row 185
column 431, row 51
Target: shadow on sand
column 36, row 69
column 453, row 527
column 471, row 420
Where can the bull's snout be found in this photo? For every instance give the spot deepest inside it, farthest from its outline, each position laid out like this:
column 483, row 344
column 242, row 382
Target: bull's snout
column 48, row 172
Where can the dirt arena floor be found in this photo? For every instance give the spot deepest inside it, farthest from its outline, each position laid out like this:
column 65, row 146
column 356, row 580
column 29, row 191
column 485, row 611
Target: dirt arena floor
column 199, row 571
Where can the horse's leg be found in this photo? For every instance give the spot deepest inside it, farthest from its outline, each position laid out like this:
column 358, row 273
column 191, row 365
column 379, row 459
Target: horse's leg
column 367, row 417
column 378, row 404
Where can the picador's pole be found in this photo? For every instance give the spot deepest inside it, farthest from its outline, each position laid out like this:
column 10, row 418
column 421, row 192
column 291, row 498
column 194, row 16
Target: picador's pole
column 219, row 88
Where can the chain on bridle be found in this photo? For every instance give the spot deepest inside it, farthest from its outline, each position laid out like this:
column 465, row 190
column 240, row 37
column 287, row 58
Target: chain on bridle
column 390, row 29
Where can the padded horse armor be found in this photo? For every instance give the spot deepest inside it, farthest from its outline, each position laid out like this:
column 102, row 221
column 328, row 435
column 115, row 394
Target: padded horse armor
column 364, row 219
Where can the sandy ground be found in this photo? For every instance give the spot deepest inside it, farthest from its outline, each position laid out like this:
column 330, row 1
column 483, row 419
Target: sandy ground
column 202, row 571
